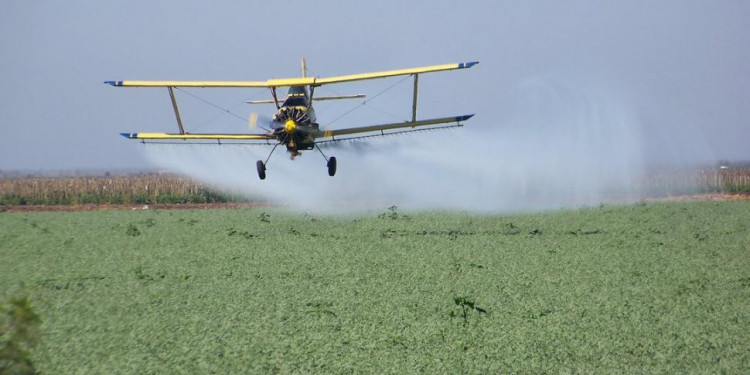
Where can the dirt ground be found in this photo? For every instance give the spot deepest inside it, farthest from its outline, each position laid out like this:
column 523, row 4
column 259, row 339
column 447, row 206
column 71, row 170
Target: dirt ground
column 128, row 207
column 700, row 197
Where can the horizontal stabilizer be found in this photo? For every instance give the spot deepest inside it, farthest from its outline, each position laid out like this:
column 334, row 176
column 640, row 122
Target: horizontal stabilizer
column 316, row 98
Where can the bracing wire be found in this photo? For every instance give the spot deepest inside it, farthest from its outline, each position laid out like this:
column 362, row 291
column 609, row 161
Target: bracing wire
column 222, row 109
column 212, row 104
column 364, row 102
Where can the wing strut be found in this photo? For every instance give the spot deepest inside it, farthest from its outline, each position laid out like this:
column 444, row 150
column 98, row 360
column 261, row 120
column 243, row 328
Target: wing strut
column 176, row 109
column 414, row 101
column 275, row 99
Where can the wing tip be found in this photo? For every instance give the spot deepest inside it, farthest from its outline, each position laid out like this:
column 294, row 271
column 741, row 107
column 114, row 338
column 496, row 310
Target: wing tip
column 468, row 64
column 113, row 83
column 129, row 135
column 464, row 117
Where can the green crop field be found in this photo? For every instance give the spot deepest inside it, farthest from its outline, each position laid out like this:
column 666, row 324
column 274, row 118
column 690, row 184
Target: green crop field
column 645, row 288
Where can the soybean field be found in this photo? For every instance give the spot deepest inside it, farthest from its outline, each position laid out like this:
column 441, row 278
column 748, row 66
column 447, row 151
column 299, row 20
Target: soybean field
column 643, row 288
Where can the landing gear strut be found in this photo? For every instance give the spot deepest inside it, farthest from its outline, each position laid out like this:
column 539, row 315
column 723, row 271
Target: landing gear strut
column 261, row 166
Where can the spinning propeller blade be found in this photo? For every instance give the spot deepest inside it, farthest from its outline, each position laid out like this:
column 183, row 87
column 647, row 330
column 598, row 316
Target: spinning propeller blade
column 259, row 121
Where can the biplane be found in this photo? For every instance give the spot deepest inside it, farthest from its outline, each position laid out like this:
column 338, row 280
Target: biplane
column 294, row 124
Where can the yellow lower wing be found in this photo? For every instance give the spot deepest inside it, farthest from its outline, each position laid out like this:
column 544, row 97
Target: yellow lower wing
column 397, row 125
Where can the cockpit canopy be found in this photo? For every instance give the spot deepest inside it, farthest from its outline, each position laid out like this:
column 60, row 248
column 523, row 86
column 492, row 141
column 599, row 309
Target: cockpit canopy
column 296, row 97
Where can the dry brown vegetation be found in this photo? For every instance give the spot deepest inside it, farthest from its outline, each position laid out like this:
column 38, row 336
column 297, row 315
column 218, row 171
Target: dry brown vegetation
column 672, row 181
column 140, row 189
column 169, row 189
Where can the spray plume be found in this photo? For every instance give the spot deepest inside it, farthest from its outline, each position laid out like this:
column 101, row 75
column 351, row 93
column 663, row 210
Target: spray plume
column 562, row 146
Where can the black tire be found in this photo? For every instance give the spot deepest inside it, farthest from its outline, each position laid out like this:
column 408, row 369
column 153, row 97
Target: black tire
column 261, row 169
column 331, row 166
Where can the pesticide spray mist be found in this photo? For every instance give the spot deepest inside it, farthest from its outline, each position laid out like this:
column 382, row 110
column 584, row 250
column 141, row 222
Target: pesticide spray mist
column 561, row 146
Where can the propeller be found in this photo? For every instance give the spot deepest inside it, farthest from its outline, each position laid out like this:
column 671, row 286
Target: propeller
column 255, row 118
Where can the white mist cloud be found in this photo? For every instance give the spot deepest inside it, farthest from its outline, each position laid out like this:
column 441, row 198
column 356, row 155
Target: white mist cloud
column 566, row 144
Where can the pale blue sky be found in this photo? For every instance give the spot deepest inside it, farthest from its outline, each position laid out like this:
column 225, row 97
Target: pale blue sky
column 680, row 67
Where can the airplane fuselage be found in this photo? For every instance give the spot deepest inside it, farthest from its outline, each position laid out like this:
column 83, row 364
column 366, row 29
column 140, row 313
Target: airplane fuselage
column 294, row 123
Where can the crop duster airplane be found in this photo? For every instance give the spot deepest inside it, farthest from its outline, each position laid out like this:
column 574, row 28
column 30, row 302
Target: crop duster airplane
column 294, row 125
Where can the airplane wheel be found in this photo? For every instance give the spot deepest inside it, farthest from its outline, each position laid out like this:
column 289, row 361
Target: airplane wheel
column 332, row 166
column 261, row 169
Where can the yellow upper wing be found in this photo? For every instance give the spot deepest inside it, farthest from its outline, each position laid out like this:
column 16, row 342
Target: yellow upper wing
column 393, row 73
column 303, row 81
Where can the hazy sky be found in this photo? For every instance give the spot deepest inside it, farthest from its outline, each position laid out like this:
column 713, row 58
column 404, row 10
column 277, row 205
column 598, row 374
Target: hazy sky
column 681, row 68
